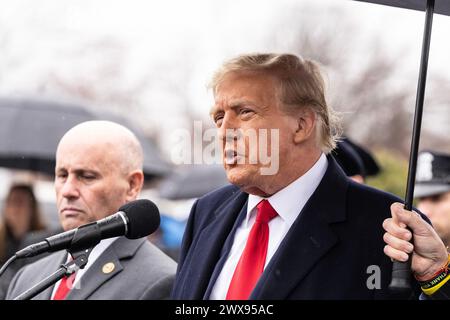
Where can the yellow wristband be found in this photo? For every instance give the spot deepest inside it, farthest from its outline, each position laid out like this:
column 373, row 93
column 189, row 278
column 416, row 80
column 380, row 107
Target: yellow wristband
column 432, row 290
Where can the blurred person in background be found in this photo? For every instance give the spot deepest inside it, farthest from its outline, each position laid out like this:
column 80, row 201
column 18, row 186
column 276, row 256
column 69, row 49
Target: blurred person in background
column 20, row 216
column 432, row 190
column 357, row 162
column 21, row 220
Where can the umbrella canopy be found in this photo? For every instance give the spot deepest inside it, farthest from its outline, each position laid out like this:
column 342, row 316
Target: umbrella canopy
column 30, row 131
column 441, row 6
column 193, row 182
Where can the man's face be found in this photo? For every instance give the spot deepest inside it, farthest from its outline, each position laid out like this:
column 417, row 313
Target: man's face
column 89, row 184
column 249, row 102
column 437, row 208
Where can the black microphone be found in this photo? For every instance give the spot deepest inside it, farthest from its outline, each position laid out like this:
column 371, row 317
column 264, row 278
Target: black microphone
column 134, row 220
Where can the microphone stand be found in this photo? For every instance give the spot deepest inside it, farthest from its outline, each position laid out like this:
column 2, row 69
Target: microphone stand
column 80, row 259
column 87, row 236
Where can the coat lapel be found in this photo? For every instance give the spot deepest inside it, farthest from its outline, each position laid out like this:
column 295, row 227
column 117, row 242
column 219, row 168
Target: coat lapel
column 309, row 238
column 95, row 277
column 211, row 240
column 225, row 251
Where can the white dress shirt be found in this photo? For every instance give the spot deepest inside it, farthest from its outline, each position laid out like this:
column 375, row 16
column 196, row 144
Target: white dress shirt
column 95, row 253
column 288, row 203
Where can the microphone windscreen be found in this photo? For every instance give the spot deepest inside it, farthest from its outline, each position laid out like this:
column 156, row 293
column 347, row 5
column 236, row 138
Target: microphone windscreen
column 143, row 218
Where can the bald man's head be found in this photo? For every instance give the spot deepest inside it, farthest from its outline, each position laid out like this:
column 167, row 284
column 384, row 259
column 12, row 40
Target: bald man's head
column 98, row 169
column 119, row 143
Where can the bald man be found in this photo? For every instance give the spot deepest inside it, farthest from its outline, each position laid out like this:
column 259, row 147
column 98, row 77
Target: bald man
column 98, row 169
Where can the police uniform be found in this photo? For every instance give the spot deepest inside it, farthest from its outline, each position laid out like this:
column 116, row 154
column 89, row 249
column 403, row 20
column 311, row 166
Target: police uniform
column 433, row 174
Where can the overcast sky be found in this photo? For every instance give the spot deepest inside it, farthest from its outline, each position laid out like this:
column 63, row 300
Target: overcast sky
column 44, row 33
column 67, row 40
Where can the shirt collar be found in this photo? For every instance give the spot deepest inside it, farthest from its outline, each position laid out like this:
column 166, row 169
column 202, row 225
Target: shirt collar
column 289, row 201
column 98, row 250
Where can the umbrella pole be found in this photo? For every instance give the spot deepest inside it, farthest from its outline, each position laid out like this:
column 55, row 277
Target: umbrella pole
column 401, row 271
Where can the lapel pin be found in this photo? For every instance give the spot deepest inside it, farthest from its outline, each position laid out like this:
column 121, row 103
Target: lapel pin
column 108, row 267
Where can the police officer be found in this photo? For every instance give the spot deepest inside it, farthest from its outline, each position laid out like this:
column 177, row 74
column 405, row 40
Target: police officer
column 433, row 190
column 356, row 162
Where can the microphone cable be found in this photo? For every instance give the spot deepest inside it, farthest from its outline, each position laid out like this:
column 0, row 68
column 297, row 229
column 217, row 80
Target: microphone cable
column 7, row 263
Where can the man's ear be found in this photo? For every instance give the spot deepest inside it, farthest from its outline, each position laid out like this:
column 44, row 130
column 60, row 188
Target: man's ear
column 306, row 124
column 135, row 183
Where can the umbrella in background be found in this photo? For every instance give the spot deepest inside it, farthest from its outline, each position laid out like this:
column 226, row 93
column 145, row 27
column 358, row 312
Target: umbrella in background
column 31, row 129
column 401, row 272
column 193, row 181
column 186, row 183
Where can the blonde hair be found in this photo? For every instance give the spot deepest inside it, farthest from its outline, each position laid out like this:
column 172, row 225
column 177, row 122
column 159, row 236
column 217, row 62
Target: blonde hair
column 301, row 85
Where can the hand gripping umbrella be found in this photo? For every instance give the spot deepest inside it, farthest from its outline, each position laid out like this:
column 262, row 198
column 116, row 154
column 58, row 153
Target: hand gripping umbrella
column 401, row 271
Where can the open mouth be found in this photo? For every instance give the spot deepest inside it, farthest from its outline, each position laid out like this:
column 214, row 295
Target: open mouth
column 232, row 157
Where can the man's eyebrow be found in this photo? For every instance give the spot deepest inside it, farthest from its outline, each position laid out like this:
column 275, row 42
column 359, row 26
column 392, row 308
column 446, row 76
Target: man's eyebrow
column 235, row 105
column 78, row 171
column 84, row 171
column 213, row 110
column 62, row 169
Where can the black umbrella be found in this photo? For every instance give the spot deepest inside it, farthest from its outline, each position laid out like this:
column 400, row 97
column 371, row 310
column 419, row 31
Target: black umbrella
column 193, row 181
column 30, row 131
column 401, row 271
column 440, row 6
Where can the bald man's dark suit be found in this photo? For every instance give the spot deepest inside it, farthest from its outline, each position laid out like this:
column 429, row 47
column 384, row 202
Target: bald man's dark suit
column 141, row 271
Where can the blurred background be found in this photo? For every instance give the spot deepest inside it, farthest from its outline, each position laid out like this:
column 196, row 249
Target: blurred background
column 147, row 63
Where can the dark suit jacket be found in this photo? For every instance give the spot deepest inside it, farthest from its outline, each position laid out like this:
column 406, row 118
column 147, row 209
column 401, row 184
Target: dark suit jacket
column 141, row 271
column 31, row 238
column 334, row 249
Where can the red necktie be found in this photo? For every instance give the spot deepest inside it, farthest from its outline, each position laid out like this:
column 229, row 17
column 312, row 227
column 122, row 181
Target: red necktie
column 65, row 286
column 253, row 258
